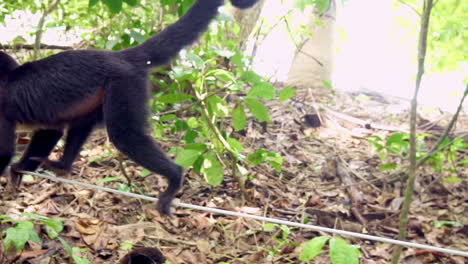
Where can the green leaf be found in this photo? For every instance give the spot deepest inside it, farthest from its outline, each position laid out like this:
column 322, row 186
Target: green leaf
column 286, row 94
column 35, row 216
column 218, row 106
column 123, row 187
column 343, row 253
column 387, row 166
column 53, row 227
column 67, row 246
column 126, row 245
column 262, row 89
column 108, row 179
column 452, row 179
column 212, row 169
column 92, row 3
column 196, row 60
column 251, row 77
column 222, row 74
column 312, row 248
column 439, row 224
column 34, row 237
column 397, row 143
column 258, row 109
column 234, row 144
column 326, row 83
column 174, row 98
column 18, row 235
column 144, row 173
column 138, row 37
column 237, row 60
column 187, row 157
column 239, row 119
column 192, row 122
column 268, row 227
column 115, row 6
column 190, row 136
column 272, row 158
column 201, row 147
column 285, row 231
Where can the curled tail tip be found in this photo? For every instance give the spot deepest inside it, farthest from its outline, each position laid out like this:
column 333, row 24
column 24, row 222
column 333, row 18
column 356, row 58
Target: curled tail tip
column 243, row 4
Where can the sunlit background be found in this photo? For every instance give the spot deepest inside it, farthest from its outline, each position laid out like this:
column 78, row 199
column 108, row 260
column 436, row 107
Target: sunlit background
column 375, row 49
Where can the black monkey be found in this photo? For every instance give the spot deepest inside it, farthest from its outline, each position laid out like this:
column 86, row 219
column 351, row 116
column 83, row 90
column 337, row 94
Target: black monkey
column 80, row 88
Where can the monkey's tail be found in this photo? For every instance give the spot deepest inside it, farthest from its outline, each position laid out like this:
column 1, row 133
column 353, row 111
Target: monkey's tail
column 162, row 47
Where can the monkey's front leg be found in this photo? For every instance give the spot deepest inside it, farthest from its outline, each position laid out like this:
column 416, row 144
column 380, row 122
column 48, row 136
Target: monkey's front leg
column 76, row 137
column 42, row 143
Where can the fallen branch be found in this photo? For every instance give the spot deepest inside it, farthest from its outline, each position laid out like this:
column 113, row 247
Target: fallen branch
column 31, row 47
column 355, row 195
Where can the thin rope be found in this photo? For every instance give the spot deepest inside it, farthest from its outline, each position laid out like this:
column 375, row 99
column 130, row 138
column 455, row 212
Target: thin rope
column 260, row 218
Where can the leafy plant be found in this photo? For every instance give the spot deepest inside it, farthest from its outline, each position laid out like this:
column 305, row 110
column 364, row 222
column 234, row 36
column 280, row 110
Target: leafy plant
column 14, row 238
column 397, row 144
column 281, row 238
column 339, row 250
column 220, row 102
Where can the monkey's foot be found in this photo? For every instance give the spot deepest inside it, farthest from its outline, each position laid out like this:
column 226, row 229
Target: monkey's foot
column 15, row 176
column 56, row 166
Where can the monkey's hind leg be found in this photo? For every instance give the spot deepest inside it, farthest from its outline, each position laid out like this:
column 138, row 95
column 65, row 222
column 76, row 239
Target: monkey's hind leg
column 125, row 117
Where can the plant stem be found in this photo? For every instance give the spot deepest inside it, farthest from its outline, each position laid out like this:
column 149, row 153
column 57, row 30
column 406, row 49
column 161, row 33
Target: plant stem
column 422, row 47
column 40, row 28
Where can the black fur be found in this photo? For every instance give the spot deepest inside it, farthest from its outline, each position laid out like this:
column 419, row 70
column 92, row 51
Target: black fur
column 145, row 255
column 78, row 89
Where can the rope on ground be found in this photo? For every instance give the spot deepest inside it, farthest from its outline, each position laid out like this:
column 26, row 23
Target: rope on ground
column 259, row 218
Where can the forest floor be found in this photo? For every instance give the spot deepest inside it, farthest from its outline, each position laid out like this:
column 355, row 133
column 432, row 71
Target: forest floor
column 330, row 177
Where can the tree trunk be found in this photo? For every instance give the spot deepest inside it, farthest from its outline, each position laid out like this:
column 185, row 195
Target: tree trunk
column 247, row 19
column 312, row 63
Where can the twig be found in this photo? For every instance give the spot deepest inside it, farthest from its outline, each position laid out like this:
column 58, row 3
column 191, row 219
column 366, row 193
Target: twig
column 124, row 172
column 353, row 192
column 410, row 6
column 299, row 47
column 189, row 105
column 361, row 122
column 32, row 46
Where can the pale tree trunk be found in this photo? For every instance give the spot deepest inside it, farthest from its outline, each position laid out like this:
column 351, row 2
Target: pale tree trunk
column 312, row 63
column 247, row 19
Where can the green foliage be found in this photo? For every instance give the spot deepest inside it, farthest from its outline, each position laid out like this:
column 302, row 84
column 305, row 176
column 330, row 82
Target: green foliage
column 18, row 235
column 74, row 252
column 212, row 169
column 321, row 5
column 447, row 49
column 440, row 224
column 446, row 156
column 312, row 248
column 286, row 94
column 272, row 158
column 340, row 251
column 14, row 238
column 197, row 83
column 280, row 236
column 343, row 253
